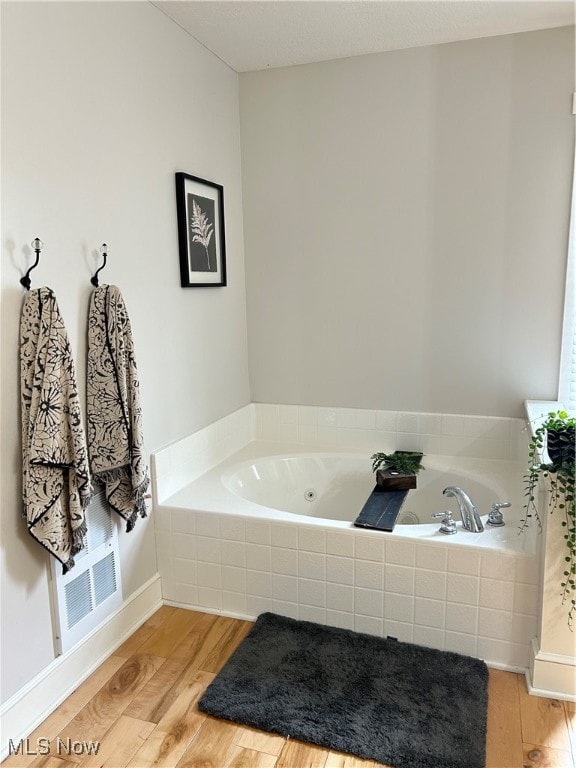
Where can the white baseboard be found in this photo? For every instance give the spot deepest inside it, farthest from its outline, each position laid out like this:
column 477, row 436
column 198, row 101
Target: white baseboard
column 551, row 675
column 211, row 611
column 546, row 694
column 505, row 667
column 32, row 704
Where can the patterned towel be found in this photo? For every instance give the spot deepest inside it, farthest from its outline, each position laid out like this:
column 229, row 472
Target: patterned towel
column 115, row 441
column 56, row 478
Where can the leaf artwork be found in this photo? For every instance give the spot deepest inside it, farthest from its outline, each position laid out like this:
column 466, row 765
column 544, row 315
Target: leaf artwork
column 202, row 229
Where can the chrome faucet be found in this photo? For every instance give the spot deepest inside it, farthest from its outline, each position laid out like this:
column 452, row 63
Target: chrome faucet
column 468, row 512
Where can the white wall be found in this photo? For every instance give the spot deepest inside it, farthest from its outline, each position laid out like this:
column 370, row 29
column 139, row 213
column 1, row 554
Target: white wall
column 406, row 220
column 101, row 104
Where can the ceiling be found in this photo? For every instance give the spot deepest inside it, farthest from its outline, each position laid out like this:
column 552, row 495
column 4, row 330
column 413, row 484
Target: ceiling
column 258, row 34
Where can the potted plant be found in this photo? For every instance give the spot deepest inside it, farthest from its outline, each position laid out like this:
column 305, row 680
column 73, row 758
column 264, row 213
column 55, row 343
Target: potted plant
column 551, row 457
column 397, row 471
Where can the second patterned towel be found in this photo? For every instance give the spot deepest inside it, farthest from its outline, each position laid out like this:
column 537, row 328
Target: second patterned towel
column 114, row 416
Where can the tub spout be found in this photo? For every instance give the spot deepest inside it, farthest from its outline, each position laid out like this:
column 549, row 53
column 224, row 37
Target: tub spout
column 468, row 512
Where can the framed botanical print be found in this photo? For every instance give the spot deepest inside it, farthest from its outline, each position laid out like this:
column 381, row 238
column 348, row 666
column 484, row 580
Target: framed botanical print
column 201, row 239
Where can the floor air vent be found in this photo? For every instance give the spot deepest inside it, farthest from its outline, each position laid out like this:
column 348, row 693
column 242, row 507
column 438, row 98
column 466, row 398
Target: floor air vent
column 92, row 590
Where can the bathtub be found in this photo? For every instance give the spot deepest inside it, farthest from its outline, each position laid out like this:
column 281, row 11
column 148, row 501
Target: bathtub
column 272, row 529
column 330, row 489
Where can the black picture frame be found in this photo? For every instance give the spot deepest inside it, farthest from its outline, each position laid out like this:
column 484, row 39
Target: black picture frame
column 201, row 236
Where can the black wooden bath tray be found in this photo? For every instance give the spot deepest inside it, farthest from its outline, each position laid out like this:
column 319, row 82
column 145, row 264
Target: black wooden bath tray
column 381, row 509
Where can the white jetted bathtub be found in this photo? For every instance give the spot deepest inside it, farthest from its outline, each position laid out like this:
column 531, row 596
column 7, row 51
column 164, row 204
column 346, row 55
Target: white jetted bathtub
column 330, row 489
column 272, row 529
column 335, row 486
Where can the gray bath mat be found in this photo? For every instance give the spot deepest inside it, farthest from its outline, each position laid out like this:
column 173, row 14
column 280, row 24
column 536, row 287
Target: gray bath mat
column 396, row 703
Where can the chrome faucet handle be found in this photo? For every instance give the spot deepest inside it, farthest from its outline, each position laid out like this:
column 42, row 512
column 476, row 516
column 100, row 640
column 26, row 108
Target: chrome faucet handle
column 495, row 517
column 448, row 524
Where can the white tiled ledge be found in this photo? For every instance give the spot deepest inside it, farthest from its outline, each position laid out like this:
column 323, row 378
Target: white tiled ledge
column 485, row 437
column 326, row 428
column 180, row 463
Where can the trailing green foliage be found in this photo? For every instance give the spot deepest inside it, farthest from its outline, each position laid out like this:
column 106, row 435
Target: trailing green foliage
column 556, row 435
column 403, row 462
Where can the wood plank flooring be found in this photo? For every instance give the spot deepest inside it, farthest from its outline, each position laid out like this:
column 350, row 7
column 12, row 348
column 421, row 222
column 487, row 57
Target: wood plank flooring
column 141, row 706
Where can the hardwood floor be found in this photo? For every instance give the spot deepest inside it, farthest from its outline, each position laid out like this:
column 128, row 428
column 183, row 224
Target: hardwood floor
column 141, row 706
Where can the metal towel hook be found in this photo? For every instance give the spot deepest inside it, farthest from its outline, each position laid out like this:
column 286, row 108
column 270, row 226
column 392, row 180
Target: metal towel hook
column 37, row 244
column 104, row 252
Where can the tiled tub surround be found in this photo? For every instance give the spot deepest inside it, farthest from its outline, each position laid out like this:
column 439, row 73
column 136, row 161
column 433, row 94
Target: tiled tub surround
column 440, row 592
column 182, row 462
column 368, row 430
